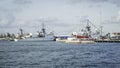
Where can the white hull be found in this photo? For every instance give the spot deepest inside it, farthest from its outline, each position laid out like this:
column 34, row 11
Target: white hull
column 60, row 40
column 87, row 42
column 15, row 40
column 47, row 38
column 73, row 40
column 9, row 39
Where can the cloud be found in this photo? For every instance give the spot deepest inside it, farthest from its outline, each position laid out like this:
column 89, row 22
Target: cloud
column 22, row 2
column 9, row 9
column 49, row 22
column 109, row 22
column 113, row 20
column 95, row 1
column 116, row 2
column 118, row 17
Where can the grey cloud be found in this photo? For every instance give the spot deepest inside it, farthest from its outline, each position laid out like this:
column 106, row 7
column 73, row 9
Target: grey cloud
column 22, row 2
column 90, row 1
column 50, row 22
column 116, row 2
column 108, row 22
column 112, row 20
column 9, row 9
column 46, row 20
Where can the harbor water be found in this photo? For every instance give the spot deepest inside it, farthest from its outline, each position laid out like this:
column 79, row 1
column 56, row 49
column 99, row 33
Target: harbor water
column 51, row 54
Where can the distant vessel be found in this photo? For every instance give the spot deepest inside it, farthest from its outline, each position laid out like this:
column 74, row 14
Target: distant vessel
column 75, row 40
column 9, row 39
column 114, row 37
column 61, row 38
column 45, row 36
column 83, row 38
column 15, row 40
column 40, row 36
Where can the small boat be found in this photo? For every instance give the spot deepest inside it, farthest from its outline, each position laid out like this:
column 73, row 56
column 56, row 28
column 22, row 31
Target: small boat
column 14, row 39
column 28, row 35
column 4, row 40
column 9, row 39
column 61, row 38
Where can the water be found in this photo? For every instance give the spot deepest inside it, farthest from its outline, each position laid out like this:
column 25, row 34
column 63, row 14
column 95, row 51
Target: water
column 51, row 54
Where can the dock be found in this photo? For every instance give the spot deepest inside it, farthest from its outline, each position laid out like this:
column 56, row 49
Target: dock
column 111, row 41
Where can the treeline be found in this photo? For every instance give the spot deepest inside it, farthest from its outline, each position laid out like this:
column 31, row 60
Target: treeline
column 7, row 35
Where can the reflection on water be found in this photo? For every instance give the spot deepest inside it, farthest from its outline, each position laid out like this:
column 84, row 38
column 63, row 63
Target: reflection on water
column 50, row 54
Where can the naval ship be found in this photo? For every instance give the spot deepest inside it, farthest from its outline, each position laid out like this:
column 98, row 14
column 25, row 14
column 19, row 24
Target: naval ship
column 40, row 35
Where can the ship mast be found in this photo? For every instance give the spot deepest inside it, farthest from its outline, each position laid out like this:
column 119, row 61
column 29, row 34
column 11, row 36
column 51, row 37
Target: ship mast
column 21, row 31
column 43, row 29
column 101, row 27
column 88, row 28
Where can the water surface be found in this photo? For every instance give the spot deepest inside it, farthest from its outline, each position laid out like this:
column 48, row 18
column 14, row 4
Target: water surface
column 51, row 54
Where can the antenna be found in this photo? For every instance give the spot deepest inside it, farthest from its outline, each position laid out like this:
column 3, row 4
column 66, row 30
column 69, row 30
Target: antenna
column 101, row 27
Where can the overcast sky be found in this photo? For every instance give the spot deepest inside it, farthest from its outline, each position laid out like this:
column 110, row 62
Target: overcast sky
column 60, row 16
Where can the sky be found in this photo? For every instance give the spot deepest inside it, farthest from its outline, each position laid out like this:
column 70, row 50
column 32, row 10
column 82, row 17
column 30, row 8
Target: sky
column 60, row 16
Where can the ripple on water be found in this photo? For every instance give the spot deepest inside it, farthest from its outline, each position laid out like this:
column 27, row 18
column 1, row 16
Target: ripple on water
column 59, row 55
